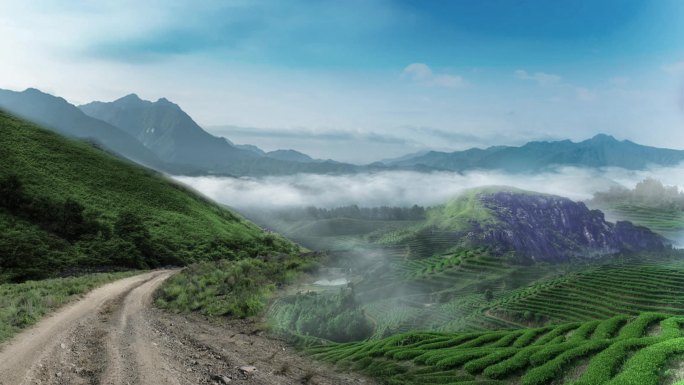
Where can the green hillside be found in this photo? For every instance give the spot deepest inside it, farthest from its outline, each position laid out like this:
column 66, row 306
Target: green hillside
column 621, row 350
column 650, row 203
column 66, row 203
column 600, row 292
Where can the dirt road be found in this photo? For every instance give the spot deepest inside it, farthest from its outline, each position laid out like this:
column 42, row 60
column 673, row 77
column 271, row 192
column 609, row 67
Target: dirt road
column 113, row 336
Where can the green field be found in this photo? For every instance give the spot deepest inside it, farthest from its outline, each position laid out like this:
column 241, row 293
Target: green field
column 600, row 292
column 622, row 350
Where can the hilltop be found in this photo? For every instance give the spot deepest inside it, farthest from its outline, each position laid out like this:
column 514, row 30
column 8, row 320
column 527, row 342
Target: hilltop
column 538, row 227
column 67, row 204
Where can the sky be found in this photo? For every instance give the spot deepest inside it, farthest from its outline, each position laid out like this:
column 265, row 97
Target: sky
column 363, row 80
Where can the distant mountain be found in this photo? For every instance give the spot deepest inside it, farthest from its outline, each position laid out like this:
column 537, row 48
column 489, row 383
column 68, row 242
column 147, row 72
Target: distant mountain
column 290, row 155
column 599, row 151
column 537, row 227
column 173, row 136
column 56, row 113
column 168, row 131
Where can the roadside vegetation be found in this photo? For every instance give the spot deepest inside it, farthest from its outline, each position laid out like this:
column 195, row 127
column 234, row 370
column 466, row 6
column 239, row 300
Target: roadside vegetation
column 23, row 304
column 330, row 316
column 238, row 288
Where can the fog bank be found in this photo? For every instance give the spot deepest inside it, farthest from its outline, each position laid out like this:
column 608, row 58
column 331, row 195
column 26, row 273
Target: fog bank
column 404, row 188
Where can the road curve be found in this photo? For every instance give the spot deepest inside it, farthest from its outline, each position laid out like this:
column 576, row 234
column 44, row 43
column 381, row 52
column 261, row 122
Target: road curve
column 63, row 348
column 114, row 337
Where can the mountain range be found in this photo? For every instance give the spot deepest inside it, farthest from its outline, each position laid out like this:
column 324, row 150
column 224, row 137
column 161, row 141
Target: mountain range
column 600, row 151
column 162, row 136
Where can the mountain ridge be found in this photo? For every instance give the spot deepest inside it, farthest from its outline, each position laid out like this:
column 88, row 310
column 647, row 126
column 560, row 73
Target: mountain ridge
column 174, row 136
column 56, row 113
column 602, row 150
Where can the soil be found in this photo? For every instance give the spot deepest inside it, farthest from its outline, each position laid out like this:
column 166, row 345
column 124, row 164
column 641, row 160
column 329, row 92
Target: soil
column 114, row 336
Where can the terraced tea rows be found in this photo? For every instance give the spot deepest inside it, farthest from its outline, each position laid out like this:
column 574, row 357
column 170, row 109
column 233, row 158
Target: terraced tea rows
column 620, row 350
column 667, row 222
column 601, row 293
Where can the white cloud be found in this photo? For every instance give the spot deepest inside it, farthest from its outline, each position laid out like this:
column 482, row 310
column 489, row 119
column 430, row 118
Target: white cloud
column 541, row 78
column 674, row 68
column 403, row 188
column 423, row 74
column 585, row 94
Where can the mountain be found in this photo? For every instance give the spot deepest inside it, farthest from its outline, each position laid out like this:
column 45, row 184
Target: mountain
column 168, row 131
column 536, row 227
column 599, row 151
column 290, row 155
column 173, row 136
column 65, row 205
column 56, row 113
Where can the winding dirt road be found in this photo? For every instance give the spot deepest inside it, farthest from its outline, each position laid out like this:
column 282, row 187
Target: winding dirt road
column 113, row 336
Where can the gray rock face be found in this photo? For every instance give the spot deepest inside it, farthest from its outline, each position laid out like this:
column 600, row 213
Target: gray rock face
column 555, row 229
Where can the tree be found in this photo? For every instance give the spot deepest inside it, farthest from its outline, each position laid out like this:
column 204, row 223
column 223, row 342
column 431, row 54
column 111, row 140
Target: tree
column 488, row 295
column 11, row 192
column 72, row 222
column 130, row 227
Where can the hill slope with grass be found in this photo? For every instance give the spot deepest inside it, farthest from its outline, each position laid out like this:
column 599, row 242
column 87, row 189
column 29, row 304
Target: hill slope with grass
column 66, row 204
column 59, row 115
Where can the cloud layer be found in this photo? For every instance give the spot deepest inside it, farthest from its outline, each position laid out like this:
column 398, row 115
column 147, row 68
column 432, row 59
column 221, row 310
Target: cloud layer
column 403, row 188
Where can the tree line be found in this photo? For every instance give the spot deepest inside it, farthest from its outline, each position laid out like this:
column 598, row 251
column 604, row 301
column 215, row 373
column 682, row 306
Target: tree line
column 383, row 213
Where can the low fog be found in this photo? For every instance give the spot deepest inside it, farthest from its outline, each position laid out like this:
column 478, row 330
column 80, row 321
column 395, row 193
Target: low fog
column 404, row 188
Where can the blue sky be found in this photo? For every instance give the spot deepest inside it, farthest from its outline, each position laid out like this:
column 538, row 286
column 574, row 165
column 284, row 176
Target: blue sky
column 364, row 80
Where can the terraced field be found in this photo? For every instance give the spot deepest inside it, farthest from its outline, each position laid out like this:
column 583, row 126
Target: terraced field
column 445, row 292
column 644, row 350
column 601, row 292
column 667, row 222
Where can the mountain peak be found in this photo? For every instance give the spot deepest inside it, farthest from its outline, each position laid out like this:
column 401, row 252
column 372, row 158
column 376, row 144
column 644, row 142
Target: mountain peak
column 32, row 90
column 131, row 97
column 129, row 100
column 166, row 102
column 603, row 138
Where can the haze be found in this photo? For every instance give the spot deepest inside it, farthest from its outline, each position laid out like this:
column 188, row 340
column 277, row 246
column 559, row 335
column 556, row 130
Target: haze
column 404, row 188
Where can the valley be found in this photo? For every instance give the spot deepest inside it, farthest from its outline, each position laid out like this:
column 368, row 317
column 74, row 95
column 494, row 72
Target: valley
column 380, row 192
column 495, row 285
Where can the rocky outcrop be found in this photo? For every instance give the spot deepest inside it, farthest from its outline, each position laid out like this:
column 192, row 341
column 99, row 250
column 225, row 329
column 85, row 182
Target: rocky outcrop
column 555, row 229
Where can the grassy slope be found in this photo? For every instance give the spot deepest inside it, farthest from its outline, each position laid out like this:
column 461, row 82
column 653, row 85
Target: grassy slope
column 56, row 168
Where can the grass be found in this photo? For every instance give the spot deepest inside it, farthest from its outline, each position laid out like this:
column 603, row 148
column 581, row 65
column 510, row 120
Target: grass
column 497, row 358
column 176, row 224
column 230, row 288
column 23, row 304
